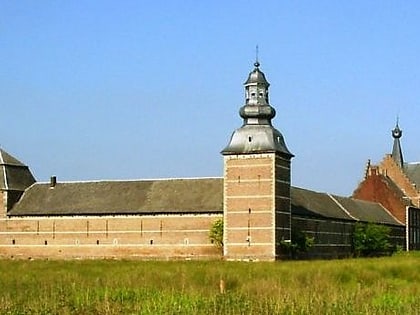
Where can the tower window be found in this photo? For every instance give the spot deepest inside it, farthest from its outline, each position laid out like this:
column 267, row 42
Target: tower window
column 249, row 139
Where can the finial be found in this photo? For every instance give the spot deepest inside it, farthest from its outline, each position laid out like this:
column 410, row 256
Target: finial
column 256, row 64
column 397, row 132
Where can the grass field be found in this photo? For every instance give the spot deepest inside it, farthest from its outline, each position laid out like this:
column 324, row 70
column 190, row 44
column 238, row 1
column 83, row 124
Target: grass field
column 389, row 285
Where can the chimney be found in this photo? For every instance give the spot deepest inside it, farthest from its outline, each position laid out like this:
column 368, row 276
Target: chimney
column 53, row 181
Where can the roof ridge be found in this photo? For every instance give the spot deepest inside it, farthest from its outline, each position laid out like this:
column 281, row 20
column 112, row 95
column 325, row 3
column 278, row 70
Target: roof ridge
column 342, row 207
column 126, row 180
column 7, row 159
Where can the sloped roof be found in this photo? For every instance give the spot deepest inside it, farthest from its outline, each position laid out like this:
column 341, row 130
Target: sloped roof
column 311, row 203
column 14, row 175
column 366, row 211
column 123, row 197
column 178, row 196
column 412, row 170
column 307, row 202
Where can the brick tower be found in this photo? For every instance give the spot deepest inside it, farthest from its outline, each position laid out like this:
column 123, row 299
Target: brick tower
column 256, row 180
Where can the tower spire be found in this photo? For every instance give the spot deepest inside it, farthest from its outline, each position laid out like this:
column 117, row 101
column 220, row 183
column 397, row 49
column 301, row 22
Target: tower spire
column 257, row 133
column 396, row 149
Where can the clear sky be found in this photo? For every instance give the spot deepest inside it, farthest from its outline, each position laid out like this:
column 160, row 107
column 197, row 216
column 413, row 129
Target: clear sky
column 152, row 89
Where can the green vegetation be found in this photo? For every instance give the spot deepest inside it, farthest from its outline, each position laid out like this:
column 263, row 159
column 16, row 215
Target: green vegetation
column 386, row 285
column 299, row 243
column 216, row 233
column 371, row 240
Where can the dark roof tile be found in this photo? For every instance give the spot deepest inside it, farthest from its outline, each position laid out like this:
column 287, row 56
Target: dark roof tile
column 123, row 197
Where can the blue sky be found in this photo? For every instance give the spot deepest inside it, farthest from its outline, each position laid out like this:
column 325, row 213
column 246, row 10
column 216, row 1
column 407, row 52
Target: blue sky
column 152, row 89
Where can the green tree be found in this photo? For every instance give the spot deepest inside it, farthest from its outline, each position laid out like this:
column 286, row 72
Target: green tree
column 216, row 233
column 371, row 239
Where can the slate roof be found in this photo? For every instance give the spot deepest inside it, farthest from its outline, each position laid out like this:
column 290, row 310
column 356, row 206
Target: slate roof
column 367, row 211
column 122, row 197
column 14, row 175
column 176, row 196
column 316, row 204
column 412, row 170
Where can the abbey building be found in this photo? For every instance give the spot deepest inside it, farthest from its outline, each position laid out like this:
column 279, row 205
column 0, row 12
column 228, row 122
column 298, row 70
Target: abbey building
column 171, row 218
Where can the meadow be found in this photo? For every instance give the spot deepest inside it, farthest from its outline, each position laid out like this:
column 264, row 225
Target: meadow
column 387, row 285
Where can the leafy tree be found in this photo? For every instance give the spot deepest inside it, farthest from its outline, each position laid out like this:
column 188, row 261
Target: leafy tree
column 216, row 233
column 371, row 239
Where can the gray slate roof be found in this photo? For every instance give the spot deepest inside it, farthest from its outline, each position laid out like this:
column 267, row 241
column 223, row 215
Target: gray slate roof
column 412, row 170
column 179, row 196
column 316, row 204
column 14, row 175
column 123, row 197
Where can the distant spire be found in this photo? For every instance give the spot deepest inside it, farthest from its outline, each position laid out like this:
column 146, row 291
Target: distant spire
column 396, row 149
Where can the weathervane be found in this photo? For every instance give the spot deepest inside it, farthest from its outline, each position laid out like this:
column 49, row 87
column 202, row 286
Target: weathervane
column 257, row 64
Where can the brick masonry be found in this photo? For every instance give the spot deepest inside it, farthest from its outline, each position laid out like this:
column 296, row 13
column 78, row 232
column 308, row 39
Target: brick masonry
column 256, row 206
column 376, row 188
column 162, row 236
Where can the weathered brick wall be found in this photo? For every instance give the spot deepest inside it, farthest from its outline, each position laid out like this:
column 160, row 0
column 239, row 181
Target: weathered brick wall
column 375, row 188
column 389, row 168
column 282, row 202
column 249, row 206
column 161, row 236
column 333, row 238
column 3, row 209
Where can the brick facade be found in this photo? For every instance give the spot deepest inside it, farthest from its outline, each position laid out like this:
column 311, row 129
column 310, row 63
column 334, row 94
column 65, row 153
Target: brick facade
column 160, row 236
column 256, row 205
column 387, row 184
column 3, row 199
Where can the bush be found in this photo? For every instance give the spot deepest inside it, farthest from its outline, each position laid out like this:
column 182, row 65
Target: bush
column 371, row 240
column 300, row 243
column 216, row 233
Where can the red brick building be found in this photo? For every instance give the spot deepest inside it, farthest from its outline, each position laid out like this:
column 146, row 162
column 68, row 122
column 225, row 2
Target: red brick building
column 395, row 184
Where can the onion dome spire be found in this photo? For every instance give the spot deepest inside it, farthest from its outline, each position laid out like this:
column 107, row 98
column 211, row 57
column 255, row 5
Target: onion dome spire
column 257, row 133
column 396, row 149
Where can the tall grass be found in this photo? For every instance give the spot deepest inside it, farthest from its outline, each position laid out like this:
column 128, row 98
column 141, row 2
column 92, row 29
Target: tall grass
column 388, row 285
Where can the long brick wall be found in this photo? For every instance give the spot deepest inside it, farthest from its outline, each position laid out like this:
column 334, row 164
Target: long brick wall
column 160, row 236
